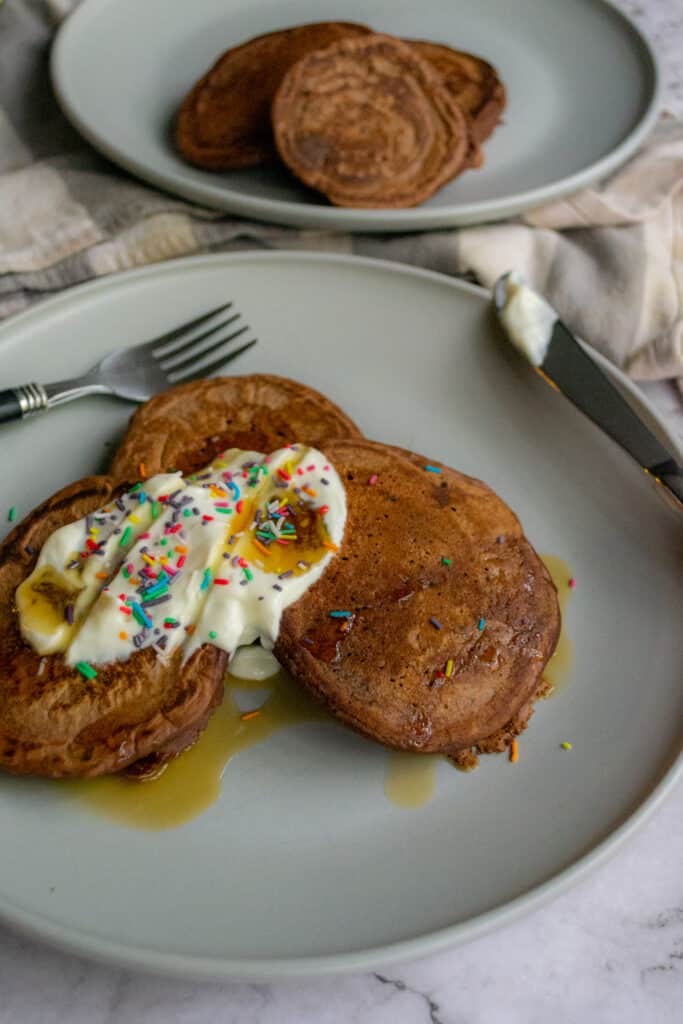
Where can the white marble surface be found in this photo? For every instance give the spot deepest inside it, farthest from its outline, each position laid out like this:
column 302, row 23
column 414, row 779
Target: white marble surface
column 610, row 950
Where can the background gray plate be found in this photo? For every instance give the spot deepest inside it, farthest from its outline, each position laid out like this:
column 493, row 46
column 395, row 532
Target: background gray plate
column 582, row 92
column 303, row 866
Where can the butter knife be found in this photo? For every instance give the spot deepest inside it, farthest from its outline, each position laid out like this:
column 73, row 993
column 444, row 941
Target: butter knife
column 534, row 328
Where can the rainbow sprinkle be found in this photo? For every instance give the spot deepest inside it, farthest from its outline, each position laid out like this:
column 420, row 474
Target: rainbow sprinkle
column 341, row 615
column 435, row 622
column 481, row 624
column 446, row 561
column 86, row 670
column 433, row 469
column 12, row 514
column 566, row 745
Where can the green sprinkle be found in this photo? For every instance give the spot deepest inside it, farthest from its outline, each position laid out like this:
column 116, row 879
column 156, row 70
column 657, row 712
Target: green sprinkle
column 12, row 514
column 125, row 537
column 86, row 670
column 433, row 469
column 153, row 592
column 566, row 745
column 248, row 573
column 225, row 511
column 170, row 622
column 206, row 579
column 125, row 573
column 213, row 634
column 481, row 624
column 140, row 616
column 156, row 509
column 164, row 541
column 136, row 487
column 187, row 512
column 264, row 470
column 446, row 561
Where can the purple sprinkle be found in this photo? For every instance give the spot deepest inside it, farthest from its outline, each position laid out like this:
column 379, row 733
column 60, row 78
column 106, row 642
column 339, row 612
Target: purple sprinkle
column 324, row 481
column 286, row 575
column 261, row 598
column 29, row 550
column 243, row 583
column 195, row 511
column 276, row 586
column 70, row 614
column 120, row 506
column 435, row 622
column 139, row 639
column 72, row 565
column 499, row 540
column 162, row 641
column 303, row 565
column 88, row 521
column 157, row 631
column 117, row 531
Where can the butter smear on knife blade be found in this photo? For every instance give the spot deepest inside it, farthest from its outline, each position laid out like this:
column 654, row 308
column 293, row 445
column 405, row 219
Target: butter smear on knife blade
column 526, row 316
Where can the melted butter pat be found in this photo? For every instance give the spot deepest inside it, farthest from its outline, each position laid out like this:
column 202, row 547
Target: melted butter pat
column 42, row 600
column 558, row 668
column 193, row 782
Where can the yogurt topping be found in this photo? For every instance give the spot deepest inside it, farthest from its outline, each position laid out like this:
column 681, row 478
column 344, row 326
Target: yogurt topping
column 526, row 316
column 178, row 562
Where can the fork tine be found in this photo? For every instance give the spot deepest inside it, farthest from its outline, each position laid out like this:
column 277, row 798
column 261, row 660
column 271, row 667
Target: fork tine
column 206, row 369
column 195, row 356
column 180, row 332
column 194, row 347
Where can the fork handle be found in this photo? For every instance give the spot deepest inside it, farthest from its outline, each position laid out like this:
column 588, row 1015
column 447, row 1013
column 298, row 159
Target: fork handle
column 16, row 403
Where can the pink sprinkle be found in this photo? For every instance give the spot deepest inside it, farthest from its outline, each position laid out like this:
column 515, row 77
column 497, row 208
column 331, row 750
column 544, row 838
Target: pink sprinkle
column 326, row 469
column 300, row 471
column 310, row 468
column 373, row 479
column 143, row 536
column 131, row 568
column 169, row 570
column 572, row 583
column 221, row 504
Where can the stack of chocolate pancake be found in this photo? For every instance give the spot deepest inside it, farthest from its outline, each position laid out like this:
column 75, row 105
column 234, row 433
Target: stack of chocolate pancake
column 444, row 616
column 366, row 119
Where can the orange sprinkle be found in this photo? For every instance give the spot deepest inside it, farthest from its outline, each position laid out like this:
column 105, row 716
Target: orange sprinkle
column 310, row 491
column 330, row 546
column 250, row 714
column 143, row 471
column 101, row 575
column 514, row 751
column 135, row 580
column 189, row 629
column 123, row 636
column 261, row 547
column 181, row 549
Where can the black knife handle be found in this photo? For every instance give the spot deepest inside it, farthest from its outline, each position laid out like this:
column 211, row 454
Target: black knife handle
column 674, row 481
column 10, row 406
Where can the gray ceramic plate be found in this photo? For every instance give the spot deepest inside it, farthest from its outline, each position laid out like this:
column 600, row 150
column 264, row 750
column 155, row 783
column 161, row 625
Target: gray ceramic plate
column 303, row 866
column 581, row 80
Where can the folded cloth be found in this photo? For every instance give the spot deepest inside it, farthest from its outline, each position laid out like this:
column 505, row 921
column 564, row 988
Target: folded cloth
column 610, row 258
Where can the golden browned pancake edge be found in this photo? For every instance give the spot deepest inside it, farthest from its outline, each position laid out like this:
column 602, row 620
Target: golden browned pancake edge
column 188, row 425
column 488, row 615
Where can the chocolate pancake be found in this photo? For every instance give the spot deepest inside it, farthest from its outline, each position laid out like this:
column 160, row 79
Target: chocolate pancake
column 369, row 123
column 472, row 82
column 55, row 722
column 185, row 427
column 224, row 122
column 431, row 629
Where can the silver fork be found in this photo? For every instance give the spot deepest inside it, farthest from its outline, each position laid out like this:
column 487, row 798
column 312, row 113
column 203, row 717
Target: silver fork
column 138, row 373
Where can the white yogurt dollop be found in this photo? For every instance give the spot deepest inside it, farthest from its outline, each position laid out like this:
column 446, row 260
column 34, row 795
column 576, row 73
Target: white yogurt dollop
column 179, row 562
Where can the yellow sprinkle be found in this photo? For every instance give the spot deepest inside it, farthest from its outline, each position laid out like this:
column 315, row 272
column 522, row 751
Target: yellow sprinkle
column 566, row 745
column 148, row 559
column 123, row 636
column 94, row 530
column 449, row 667
column 514, row 751
column 250, row 714
column 163, row 559
column 133, row 519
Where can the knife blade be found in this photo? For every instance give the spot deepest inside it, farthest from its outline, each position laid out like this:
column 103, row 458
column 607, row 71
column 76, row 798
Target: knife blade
column 535, row 329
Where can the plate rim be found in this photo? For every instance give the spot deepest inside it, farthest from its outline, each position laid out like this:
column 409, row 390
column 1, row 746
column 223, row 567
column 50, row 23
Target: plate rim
column 297, row 214
column 84, row 943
